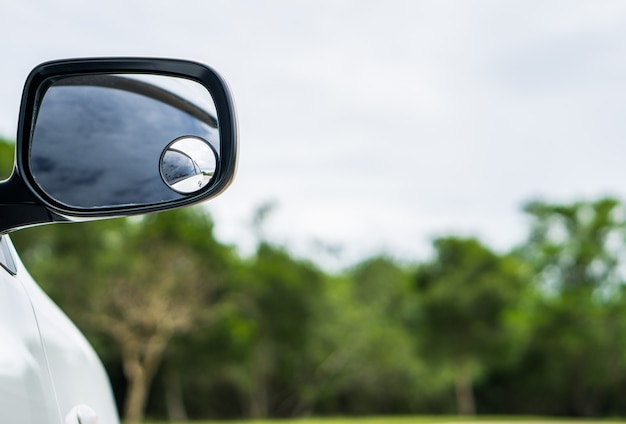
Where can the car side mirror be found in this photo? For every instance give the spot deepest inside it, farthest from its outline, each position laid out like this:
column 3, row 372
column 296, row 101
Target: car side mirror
column 114, row 137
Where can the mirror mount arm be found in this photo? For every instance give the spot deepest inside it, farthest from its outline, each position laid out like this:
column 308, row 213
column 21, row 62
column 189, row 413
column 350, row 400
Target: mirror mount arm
column 20, row 208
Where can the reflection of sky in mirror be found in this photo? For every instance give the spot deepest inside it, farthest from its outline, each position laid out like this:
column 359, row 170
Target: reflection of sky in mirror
column 192, row 91
column 199, row 151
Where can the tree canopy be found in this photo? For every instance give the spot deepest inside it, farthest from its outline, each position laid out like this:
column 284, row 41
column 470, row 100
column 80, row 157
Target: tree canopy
column 189, row 328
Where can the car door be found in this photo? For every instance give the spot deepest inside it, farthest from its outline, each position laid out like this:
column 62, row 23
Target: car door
column 27, row 392
column 78, row 376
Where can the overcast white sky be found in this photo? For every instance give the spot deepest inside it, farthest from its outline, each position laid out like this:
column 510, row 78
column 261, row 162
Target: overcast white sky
column 376, row 125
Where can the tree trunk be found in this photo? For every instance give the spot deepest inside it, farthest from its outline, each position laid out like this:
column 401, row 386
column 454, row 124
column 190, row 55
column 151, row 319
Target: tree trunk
column 259, row 405
column 174, row 397
column 136, row 392
column 140, row 364
column 258, row 400
column 464, row 391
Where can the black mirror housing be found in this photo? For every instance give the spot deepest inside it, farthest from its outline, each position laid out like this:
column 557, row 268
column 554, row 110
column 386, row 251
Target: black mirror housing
column 93, row 136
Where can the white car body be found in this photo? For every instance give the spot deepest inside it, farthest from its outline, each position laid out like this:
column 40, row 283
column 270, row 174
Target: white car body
column 47, row 367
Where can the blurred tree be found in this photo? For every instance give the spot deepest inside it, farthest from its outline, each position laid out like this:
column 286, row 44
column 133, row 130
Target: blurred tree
column 7, row 157
column 165, row 291
column 364, row 352
column 279, row 303
column 466, row 296
column 575, row 358
column 273, row 302
column 577, row 247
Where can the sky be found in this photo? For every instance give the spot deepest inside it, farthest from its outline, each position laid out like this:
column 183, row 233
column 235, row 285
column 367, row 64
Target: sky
column 374, row 126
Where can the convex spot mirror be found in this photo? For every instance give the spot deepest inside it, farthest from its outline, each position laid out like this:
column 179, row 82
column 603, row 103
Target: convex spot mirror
column 188, row 164
column 111, row 137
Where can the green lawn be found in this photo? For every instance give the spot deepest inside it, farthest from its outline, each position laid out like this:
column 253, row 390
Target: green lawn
column 409, row 420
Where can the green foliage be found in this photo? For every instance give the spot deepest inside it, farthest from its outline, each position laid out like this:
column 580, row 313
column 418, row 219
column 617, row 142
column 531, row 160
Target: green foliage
column 574, row 361
column 539, row 330
column 277, row 300
column 466, row 294
column 7, row 155
column 363, row 348
column 577, row 246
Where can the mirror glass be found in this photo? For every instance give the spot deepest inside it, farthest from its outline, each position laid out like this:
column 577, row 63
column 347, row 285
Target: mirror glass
column 114, row 140
column 188, row 164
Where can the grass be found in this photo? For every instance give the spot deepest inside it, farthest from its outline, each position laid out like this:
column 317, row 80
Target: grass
column 410, row 420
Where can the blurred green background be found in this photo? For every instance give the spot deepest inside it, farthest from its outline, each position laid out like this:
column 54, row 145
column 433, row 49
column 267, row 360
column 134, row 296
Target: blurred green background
column 190, row 329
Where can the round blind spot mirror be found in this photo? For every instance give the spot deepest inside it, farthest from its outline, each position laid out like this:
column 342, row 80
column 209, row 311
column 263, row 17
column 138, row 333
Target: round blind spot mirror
column 188, row 164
